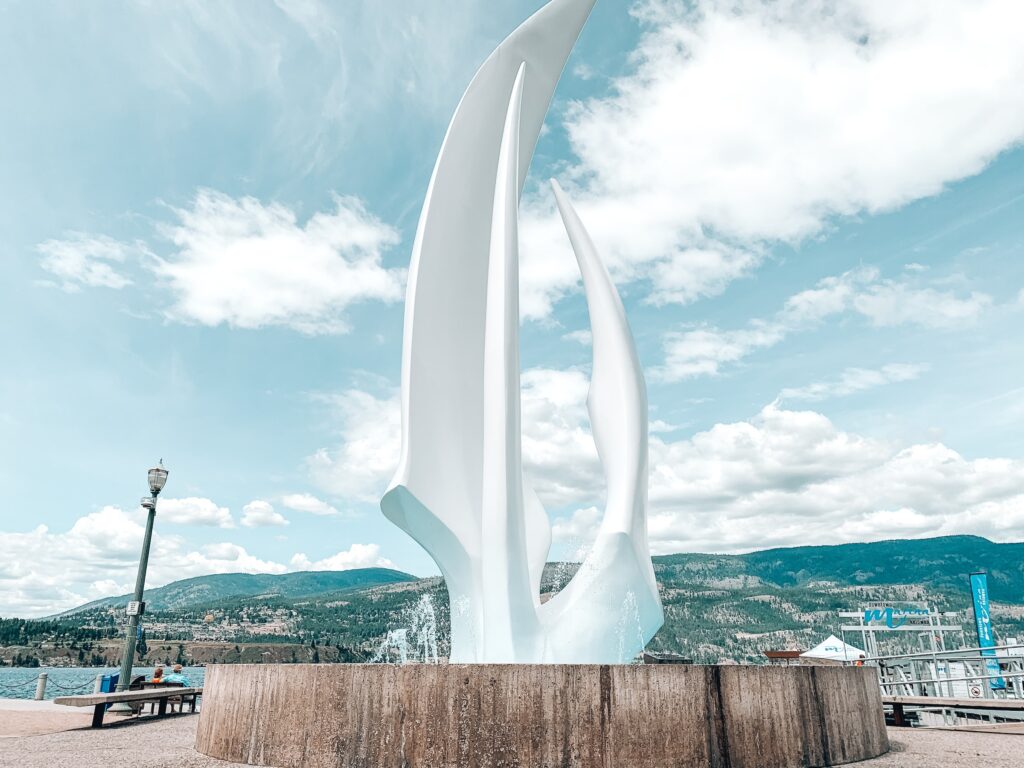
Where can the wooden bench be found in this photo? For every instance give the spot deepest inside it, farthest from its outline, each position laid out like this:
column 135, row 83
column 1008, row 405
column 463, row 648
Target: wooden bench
column 99, row 701
column 899, row 702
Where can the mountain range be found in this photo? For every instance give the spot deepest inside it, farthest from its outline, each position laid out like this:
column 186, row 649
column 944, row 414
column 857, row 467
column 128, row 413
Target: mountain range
column 201, row 591
column 717, row 607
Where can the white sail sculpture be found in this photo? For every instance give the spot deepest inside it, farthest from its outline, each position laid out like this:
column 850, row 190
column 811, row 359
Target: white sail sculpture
column 459, row 489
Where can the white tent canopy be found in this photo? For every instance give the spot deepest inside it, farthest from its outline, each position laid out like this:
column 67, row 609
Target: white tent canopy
column 833, row 649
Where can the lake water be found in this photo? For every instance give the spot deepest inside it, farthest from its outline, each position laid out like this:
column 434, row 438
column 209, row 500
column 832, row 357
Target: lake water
column 20, row 682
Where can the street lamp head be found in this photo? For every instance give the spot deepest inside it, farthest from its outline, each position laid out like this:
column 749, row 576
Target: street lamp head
column 157, row 478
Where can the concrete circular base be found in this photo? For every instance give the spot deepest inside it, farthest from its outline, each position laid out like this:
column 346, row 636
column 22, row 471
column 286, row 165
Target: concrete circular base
column 579, row 716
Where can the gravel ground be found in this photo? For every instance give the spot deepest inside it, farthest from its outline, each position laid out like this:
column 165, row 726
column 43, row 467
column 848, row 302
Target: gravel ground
column 168, row 743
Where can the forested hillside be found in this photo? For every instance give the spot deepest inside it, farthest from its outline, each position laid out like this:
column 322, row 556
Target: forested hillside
column 717, row 607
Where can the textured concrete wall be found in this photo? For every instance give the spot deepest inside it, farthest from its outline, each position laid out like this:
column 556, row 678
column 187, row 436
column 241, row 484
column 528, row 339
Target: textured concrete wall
column 656, row 716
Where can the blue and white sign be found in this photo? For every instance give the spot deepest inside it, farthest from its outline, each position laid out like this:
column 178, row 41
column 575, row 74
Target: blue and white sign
column 983, row 622
column 894, row 618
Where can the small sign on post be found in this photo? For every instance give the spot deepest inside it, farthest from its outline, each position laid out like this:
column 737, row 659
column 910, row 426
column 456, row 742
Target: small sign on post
column 135, row 608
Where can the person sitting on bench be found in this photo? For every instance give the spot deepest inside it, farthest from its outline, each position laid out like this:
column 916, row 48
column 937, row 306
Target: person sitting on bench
column 177, row 677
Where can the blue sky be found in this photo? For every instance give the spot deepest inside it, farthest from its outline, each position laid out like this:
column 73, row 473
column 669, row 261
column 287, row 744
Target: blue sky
column 814, row 216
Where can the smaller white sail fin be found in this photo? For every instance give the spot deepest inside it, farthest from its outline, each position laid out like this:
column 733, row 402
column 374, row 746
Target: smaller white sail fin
column 617, row 577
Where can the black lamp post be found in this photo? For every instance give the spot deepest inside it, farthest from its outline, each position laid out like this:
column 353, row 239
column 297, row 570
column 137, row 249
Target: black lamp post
column 135, row 609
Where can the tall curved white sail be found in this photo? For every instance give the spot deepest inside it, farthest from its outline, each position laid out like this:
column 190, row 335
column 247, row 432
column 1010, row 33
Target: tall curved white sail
column 459, row 488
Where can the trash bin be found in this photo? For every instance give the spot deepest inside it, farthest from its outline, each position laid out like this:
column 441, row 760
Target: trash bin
column 109, row 684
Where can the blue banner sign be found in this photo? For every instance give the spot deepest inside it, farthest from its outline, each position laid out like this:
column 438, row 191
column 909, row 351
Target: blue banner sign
column 983, row 622
column 894, row 618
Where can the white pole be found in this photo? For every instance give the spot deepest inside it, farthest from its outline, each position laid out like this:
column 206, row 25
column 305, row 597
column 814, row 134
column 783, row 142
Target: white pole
column 41, row 686
column 99, row 683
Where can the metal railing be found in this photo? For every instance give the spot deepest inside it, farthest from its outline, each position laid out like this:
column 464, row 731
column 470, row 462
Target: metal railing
column 967, row 678
column 960, row 673
column 975, row 651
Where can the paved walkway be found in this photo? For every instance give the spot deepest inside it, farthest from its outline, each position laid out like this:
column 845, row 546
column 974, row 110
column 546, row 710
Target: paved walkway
column 167, row 743
column 133, row 743
column 924, row 748
column 24, row 717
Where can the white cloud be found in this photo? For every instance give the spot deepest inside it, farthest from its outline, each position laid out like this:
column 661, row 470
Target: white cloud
column 259, row 514
column 247, row 264
column 704, row 351
column 558, row 451
column 693, row 273
column 777, row 449
column 305, row 502
column 580, row 525
column 897, row 304
column 862, row 291
column 744, row 124
column 225, row 557
column 781, row 478
column 830, row 296
column 356, row 556
column 853, row 380
column 86, row 260
column 583, row 71
column 250, row 265
column 791, row 477
column 657, row 425
column 371, row 440
column 787, row 478
column 583, row 336
column 194, row 511
column 44, row 572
